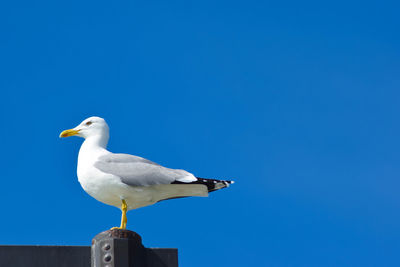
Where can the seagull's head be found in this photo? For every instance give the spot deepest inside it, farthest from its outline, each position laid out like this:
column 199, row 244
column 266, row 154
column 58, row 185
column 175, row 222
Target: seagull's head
column 93, row 126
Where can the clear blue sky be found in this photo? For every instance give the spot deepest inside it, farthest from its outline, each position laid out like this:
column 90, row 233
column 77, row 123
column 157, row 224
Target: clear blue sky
column 298, row 101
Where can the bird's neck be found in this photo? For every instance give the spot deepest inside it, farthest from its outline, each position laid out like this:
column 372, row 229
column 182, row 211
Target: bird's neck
column 93, row 144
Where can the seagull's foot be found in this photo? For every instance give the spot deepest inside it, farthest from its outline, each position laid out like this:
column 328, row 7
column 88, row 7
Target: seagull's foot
column 117, row 228
column 124, row 219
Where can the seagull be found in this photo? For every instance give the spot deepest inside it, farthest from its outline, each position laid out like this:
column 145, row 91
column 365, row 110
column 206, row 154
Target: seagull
column 126, row 181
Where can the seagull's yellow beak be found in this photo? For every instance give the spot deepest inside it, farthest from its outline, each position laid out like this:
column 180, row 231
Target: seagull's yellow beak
column 70, row 132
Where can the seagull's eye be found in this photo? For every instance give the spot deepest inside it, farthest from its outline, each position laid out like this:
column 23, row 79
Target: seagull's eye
column 88, row 123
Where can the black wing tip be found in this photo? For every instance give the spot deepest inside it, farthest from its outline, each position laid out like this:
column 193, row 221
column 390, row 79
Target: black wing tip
column 205, row 180
column 212, row 184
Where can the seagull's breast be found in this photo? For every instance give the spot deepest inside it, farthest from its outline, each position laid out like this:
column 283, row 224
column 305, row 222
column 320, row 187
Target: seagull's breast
column 102, row 186
column 86, row 159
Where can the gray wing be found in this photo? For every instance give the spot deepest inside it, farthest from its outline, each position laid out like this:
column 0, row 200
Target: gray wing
column 137, row 171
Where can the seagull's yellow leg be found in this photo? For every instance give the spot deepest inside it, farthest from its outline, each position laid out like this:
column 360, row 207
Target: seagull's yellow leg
column 124, row 219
